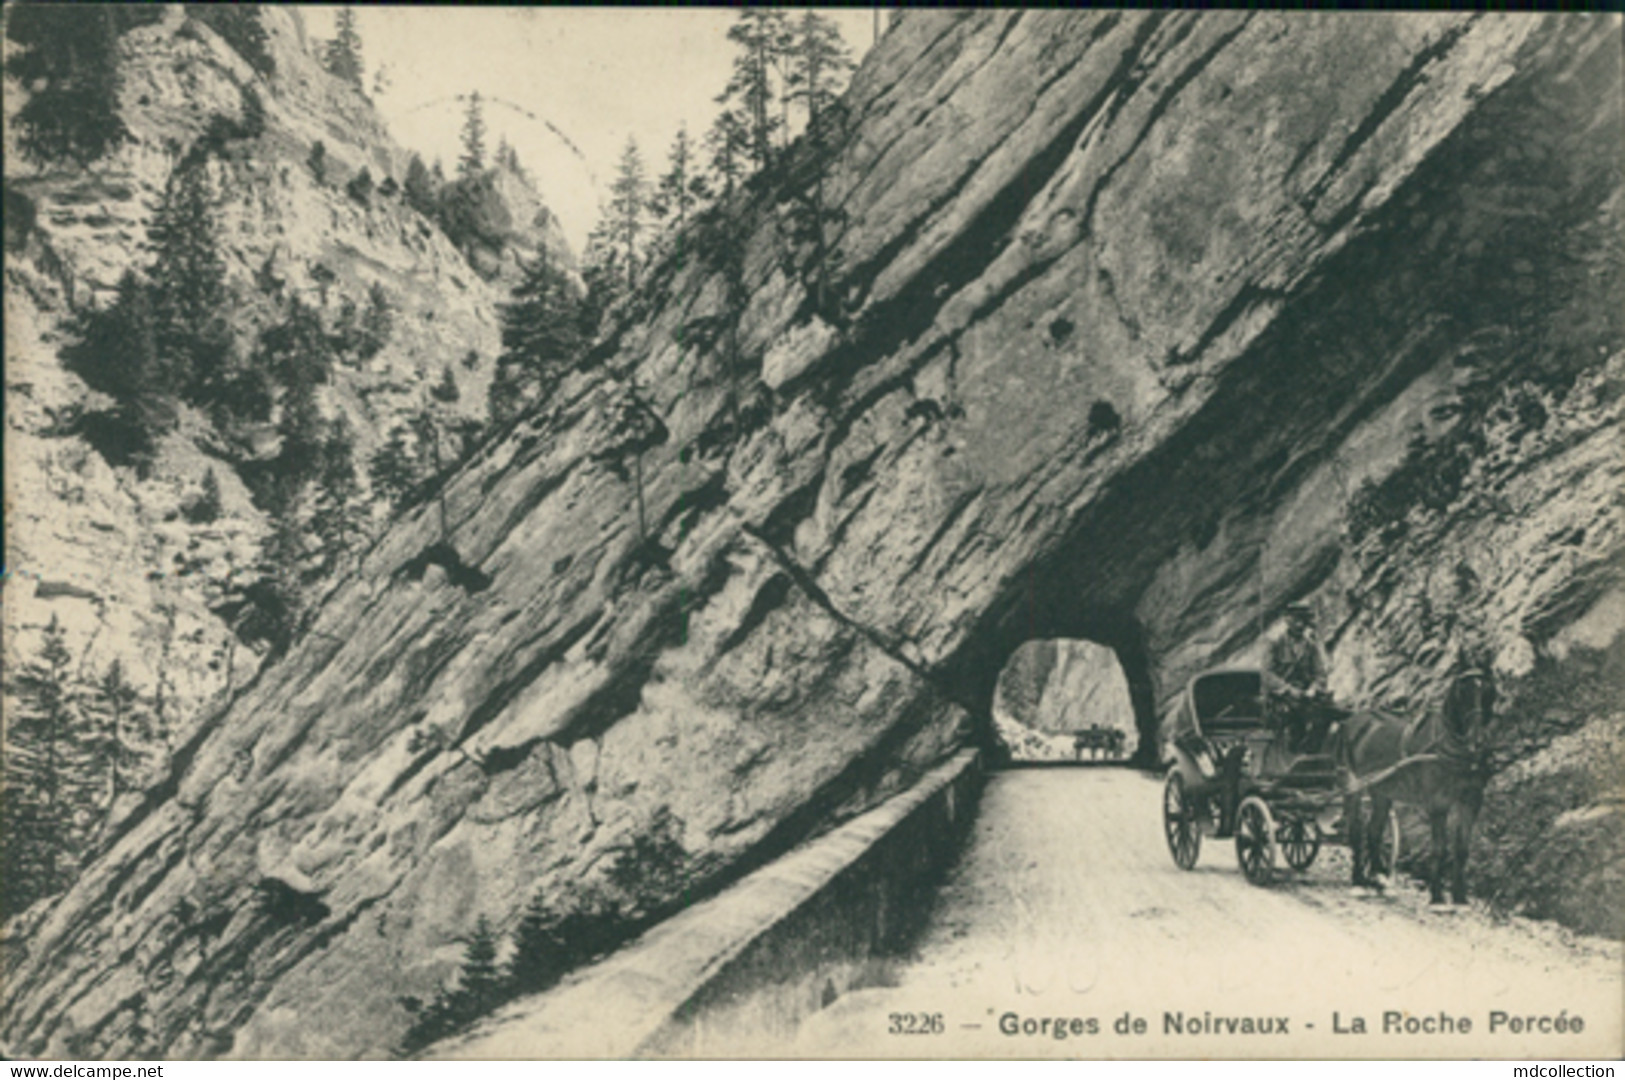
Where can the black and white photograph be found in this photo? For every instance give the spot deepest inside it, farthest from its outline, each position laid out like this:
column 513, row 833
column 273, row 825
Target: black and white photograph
column 560, row 533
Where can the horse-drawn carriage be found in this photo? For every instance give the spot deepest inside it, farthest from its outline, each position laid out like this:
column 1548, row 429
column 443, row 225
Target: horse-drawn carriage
column 1234, row 774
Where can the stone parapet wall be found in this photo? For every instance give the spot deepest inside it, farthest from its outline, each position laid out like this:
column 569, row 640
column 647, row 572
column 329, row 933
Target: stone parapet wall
column 748, row 964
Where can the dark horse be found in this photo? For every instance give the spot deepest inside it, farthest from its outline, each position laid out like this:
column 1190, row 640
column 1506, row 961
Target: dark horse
column 1439, row 763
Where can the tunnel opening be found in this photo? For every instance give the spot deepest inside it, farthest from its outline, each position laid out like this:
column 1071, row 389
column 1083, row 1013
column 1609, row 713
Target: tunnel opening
column 1044, row 641
column 1064, row 700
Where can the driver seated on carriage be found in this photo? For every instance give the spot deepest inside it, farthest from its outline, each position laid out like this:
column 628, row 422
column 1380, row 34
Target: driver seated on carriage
column 1297, row 698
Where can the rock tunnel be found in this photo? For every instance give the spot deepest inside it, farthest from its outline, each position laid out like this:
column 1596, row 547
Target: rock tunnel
column 1441, row 298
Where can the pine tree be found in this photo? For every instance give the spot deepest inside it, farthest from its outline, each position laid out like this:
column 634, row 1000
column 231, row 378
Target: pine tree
column 481, row 978
column 115, row 349
column 541, row 339
column 508, row 158
column 821, row 63
column 377, row 323
column 603, row 275
column 472, row 162
column 539, row 956
column 680, row 186
column 240, row 27
column 421, row 193
column 26, row 838
column 303, row 433
column 469, row 433
column 789, row 77
column 729, row 143
column 637, row 429
column 392, row 469
column 345, row 336
column 628, row 207
column 119, row 743
column 296, row 351
column 281, row 588
column 480, row 988
column 209, row 506
column 762, row 35
column 38, row 737
column 426, row 426
column 344, row 51
column 68, row 57
column 336, row 517
column 189, row 287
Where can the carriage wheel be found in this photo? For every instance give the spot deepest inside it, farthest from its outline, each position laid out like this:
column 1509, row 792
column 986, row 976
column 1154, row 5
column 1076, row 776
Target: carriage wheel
column 1300, row 842
column 1255, row 840
column 1179, row 823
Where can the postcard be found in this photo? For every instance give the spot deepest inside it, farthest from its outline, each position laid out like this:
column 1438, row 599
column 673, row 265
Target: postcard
column 801, row 533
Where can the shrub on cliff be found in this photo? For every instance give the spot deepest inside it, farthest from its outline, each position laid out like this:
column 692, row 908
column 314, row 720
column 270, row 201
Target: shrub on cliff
column 445, row 391
column 360, row 186
column 114, row 348
column 316, row 161
column 206, row 507
column 1432, row 475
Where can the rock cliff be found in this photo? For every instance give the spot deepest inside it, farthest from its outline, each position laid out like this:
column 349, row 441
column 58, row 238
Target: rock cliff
column 110, row 552
column 1137, row 326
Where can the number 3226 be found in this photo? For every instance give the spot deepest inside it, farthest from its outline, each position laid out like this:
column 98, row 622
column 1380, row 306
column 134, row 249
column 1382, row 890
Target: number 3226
column 915, row 1024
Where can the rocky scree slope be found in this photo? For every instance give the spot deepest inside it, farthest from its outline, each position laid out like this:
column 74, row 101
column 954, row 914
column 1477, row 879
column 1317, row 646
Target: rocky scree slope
column 110, row 551
column 1125, row 305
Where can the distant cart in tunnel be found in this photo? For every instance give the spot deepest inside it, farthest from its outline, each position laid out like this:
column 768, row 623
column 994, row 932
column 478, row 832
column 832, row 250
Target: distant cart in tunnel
column 1231, row 774
column 1099, row 740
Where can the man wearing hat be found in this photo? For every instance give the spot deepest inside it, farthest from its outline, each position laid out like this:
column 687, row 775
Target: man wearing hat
column 1295, row 681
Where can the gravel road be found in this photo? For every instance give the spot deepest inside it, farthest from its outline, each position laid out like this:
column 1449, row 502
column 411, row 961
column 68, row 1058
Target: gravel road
column 1066, row 904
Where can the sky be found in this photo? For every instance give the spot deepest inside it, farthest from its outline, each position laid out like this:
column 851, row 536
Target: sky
column 598, row 75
